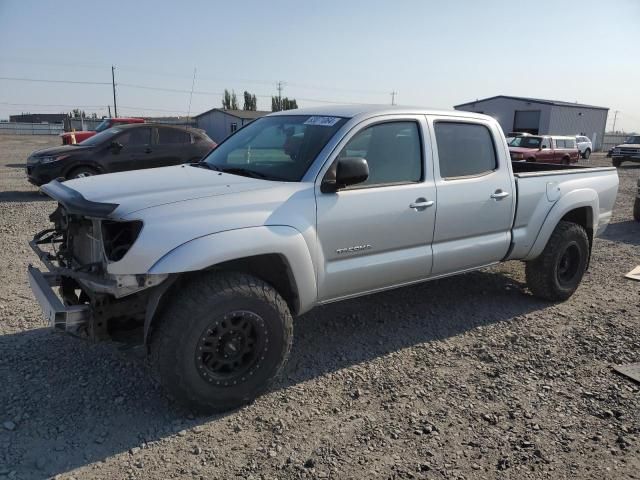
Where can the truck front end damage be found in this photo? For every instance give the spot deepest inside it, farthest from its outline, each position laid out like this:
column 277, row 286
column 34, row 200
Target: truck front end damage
column 77, row 252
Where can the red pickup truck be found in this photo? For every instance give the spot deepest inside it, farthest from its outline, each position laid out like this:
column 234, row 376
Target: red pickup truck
column 545, row 149
column 71, row 138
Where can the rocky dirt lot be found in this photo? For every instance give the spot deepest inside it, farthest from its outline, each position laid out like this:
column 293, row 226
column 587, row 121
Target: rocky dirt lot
column 467, row 377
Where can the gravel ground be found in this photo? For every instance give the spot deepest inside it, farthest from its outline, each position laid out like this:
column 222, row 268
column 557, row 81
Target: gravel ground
column 467, row 377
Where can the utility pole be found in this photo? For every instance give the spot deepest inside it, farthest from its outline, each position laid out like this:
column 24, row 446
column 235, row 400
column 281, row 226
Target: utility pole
column 109, row 109
column 615, row 117
column 393, row 97
column 193, row 82
column 113, row 84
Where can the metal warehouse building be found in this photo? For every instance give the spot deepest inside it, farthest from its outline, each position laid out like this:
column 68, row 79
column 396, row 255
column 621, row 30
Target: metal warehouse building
column 220, row 123
column 543, row 117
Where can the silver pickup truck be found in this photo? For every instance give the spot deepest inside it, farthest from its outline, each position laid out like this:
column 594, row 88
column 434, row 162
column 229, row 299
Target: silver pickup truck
column 206, row 264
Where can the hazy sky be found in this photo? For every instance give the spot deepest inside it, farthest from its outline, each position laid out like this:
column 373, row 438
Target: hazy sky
column 433, row 53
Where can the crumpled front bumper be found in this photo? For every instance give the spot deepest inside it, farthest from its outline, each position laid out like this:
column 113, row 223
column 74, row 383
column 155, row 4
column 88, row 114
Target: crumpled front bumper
column 59, row 316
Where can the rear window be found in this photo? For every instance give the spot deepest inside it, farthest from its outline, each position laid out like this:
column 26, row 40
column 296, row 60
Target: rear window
column 464, row 149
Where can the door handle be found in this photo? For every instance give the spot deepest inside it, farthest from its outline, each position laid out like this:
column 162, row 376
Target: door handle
column 421, row 203
column 499, row 195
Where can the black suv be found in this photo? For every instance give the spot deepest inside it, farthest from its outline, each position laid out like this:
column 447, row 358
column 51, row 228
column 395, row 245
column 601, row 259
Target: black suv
column 126, row 147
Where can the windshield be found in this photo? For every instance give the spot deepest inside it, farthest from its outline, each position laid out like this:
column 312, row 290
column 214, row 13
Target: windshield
column 633, row 139
column 275, row 148
column 101, row 137
column 526, row 142
column 103, row 125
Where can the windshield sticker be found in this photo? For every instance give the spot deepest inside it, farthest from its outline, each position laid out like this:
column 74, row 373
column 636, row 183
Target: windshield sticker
column 322, row 121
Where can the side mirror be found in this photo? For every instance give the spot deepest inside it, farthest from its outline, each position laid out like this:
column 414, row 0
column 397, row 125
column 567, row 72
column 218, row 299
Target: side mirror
column 115, row 146
column 347, row 171
column 542, row 147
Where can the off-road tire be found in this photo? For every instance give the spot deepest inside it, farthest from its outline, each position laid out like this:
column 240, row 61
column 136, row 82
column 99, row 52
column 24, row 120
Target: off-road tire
column 586, row 154
column 548, row 276
column 636, row 210
column 187, row 319
column 616, row 162
column 80, row 172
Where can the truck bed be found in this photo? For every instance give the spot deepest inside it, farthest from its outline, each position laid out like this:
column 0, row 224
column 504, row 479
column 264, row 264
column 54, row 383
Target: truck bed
column 544, row 188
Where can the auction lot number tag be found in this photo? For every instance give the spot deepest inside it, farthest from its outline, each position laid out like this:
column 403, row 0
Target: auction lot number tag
column 322, row 121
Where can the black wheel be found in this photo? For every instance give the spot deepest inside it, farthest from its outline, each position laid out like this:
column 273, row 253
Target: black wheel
column 557, row 272
column 221, row 340
column 81, row 172
column 566, row 161
column 636, row 210
column 586, row 154
column 531, row 159
column 616, row 162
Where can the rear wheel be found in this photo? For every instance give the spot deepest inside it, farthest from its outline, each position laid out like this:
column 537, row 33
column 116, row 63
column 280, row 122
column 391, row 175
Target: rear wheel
column 82, row 172
column 566, row 161
column 221, row 341
column 586, row 154
column 636, row 210
column 557, row 272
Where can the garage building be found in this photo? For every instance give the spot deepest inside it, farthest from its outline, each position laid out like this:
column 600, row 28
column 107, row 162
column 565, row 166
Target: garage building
column 543, row 117
column 220, row 123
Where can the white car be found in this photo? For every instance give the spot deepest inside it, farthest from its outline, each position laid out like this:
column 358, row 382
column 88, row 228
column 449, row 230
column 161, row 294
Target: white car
column 584, row 145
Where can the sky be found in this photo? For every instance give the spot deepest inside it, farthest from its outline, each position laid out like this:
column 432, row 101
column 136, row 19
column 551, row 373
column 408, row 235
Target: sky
column 432, row 53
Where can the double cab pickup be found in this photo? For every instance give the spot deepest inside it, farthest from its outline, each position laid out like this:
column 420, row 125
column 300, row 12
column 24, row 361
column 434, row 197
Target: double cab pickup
column 211, row 261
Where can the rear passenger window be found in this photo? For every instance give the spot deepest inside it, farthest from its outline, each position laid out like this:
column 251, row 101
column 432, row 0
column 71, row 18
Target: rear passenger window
column 464, row 149
column 392, row 151
column 171, row 136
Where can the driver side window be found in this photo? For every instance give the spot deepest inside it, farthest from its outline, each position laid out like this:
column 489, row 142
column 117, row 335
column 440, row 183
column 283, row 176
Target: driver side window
column 392, row 151
column 545, row 143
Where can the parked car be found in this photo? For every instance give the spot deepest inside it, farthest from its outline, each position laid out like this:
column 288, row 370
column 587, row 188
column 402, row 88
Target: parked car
column 544, row 148
column 71, row 138
column 584, row 145
column 629, row 151
column 126, row 147
column 211, row 261
column 511, row 135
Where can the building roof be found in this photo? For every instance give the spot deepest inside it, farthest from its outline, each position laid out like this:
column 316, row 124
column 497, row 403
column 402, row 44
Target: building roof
column 244, row 114
column 535, row 100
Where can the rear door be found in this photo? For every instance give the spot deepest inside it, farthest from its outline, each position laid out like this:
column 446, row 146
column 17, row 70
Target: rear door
column 172, row 146
column 476, row 194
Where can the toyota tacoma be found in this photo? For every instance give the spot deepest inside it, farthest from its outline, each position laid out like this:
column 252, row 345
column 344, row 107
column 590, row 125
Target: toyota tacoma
column 207, row 264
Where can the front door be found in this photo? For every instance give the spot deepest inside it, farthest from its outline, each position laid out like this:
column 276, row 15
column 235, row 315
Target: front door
column 135, row 150
column 476, row 195
column 546, row 153
column 378, row 234
column 172, row 146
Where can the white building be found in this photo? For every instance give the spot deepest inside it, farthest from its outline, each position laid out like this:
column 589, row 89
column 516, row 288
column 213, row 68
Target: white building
column 220, row 123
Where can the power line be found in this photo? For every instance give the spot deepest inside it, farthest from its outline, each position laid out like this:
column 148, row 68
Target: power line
column 75, row 82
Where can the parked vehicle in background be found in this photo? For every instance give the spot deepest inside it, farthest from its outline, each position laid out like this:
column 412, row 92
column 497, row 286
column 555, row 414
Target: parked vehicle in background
column 71, row 138
column 117, row 149
column 511, row 135
column 209, row 262
column 545, row 149
column 629, row 151
column 584, row 145
column 636, row 204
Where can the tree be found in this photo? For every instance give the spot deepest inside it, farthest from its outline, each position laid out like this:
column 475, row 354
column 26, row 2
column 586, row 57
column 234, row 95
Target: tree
column 234, row 101
column 250, row 102
column 285, row 103
column 226, row 100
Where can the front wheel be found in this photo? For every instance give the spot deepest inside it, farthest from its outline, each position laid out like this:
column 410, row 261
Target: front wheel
column 221, row 340
column 616, row 162
column 81, row 172
column 557, row 272
column 586, row 154
column 636, row 210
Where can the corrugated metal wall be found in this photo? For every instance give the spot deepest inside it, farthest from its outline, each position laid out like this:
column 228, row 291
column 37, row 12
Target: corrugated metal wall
column 16, row 128
column 579, row 121
column 504, row 111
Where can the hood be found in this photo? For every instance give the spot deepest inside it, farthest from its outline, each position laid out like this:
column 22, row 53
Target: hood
column 63, row 149
column 140, row 189
column 628, row 145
